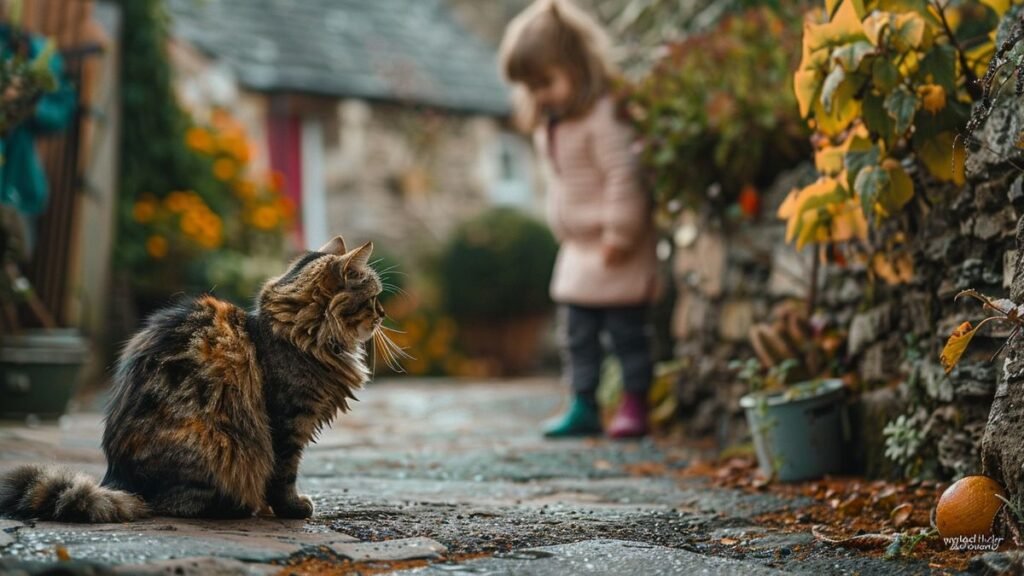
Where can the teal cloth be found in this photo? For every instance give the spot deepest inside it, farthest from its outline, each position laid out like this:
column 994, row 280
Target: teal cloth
column 22, row 179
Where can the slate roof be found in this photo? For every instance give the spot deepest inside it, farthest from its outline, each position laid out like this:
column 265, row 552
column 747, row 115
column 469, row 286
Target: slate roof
column 394, row 50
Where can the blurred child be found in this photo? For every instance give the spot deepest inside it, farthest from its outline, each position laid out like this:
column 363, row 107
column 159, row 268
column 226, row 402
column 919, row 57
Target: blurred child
column 556, row 57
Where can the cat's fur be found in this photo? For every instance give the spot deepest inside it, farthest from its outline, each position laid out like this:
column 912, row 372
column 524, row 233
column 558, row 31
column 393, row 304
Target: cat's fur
column 212, row 405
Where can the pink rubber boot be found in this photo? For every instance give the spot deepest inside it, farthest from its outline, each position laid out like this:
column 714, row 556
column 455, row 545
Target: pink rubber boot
column 630, row 420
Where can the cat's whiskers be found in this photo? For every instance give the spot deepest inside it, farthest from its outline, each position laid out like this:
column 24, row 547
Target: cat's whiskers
column 386, row 353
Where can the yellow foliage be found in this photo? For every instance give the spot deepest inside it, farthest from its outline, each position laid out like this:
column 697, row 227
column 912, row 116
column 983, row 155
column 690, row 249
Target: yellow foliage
column 956, row 345
column 942, row 159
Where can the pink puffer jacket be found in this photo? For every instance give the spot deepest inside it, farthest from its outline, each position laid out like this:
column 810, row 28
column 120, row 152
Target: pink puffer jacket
column 594, row 199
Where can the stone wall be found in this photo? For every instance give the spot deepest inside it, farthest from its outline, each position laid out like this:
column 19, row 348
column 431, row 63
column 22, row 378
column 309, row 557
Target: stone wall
column 728, row 278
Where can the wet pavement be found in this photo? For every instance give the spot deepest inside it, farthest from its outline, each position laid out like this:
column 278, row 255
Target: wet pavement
column 438, row 477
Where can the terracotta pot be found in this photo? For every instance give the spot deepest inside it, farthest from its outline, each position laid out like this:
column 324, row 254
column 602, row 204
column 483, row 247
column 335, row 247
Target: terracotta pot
column 513, row 344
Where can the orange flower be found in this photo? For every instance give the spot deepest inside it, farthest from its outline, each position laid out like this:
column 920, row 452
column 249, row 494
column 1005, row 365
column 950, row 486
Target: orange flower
column 265, row 218
column 176, row 201
column 156, row 247
column 199, row 139
column 224, row 169
column 245, row 189
column 144, row 211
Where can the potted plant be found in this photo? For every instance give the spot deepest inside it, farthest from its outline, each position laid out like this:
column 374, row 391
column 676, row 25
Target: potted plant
column 796, row 412
column 495, row 273
column 40, row 368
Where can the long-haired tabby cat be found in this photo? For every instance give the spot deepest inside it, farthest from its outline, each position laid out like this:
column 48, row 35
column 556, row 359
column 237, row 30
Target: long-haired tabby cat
column 212, row 405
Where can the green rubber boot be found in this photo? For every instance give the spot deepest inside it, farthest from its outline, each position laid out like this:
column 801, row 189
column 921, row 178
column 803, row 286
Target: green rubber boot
column 581, row 419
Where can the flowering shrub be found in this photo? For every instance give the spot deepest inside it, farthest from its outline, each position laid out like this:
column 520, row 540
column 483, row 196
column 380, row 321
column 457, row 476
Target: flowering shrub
column 226, row 232
column 716, row 117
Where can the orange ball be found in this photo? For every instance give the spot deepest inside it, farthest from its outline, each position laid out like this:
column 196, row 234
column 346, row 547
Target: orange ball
column 968, row 507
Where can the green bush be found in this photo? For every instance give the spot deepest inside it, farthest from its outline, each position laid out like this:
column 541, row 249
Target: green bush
column 498, row 266
column 716, row 114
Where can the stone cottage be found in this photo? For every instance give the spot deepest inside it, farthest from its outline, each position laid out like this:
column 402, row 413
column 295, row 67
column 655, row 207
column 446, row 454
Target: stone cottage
column 386, row 118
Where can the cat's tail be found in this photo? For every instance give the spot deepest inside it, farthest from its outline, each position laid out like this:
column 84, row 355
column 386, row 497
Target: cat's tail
column 46, row 493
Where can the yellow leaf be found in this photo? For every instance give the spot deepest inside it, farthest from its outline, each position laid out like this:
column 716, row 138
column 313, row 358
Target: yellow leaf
column 941, row 158
column 900, row 189
column 848, row 222
column 933, row 97
column 898, row 269
column 806, row 84
column 998, row 6
column 800, row 208
column 845, row 109
column 956, row 345
column 846, row 22
column 874, row 24
column 829, row 160
column 844, row 27
column 910, row 29
column 979, row 57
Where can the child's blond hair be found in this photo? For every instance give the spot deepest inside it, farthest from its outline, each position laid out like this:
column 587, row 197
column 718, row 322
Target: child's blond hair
column 555, row 34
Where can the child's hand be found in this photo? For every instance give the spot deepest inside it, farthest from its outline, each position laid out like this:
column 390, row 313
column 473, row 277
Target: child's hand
column 613, row 254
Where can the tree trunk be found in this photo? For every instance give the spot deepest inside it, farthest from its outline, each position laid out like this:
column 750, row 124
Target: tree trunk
column 1002, row 448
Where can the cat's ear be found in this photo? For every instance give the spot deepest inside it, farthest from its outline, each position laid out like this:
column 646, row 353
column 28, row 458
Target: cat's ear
column 336, row 246
column 357, row 258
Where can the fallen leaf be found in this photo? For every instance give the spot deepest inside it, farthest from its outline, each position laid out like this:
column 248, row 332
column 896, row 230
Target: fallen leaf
column 956, row 345
column 729, row 541
column 901, row 514
column 62, row 554
column 602, row 465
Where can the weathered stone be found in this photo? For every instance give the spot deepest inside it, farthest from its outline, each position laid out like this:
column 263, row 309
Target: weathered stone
column 1016, row 192
column 608, row 557
column 869, row 414
column 691, row 315
column 868, row 327
column 999, row 137
column 881, row 360
column 5, row 539
column 789, row 272
column 69, row 568
column 737, row 317
column 916, row 315
column 974, row 379
column 1007, row 562
column 390, row 550
column 702, row 264
column 200, row 566
column 996, row 224
column 1009, row 257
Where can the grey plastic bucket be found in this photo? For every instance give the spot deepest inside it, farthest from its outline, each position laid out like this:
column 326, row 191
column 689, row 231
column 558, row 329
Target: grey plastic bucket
column 798, row 433
column 40, row 371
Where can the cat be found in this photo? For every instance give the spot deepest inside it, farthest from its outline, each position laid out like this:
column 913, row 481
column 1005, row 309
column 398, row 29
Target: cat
column 212, row 405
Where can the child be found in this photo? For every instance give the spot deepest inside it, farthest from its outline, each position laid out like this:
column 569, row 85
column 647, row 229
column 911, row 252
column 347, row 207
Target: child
column 555, row 56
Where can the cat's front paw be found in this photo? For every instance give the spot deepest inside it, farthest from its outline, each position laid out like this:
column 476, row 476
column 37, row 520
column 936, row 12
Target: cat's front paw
column 298, row 506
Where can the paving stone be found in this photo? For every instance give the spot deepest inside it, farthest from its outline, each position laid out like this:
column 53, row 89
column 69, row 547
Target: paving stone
column 596, row 557
column 201, row 566
column 390, row 550
column 6, row 539
column 9, row 524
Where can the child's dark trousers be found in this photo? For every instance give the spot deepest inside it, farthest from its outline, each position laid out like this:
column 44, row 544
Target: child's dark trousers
column 629, row 334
